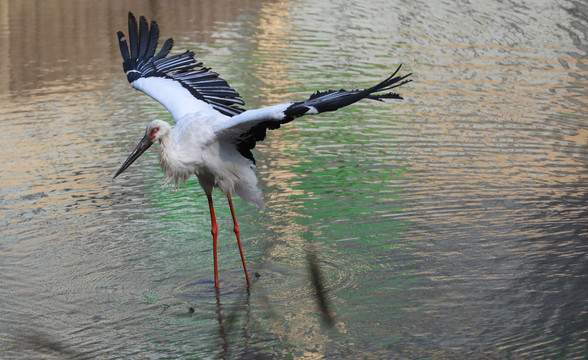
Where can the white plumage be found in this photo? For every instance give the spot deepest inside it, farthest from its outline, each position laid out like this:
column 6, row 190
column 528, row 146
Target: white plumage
column 213, row 135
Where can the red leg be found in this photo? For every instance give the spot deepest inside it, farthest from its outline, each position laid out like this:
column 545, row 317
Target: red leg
column 236, row 230
column 214, row 232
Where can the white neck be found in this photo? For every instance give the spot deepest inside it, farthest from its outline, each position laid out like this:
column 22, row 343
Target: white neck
column 175, row 171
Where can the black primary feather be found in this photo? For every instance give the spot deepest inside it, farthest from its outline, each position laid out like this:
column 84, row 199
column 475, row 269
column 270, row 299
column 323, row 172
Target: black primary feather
column 139, row 61
column 143, row 37
column 335, row 99
column 153, row 38
column 329, row 100
column 133, row 36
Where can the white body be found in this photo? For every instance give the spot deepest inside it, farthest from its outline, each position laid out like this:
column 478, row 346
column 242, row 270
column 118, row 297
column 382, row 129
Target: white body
column 201, row 143
column 193, row 148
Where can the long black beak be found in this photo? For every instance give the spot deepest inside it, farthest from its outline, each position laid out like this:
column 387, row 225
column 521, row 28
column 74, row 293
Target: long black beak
column 141, row 147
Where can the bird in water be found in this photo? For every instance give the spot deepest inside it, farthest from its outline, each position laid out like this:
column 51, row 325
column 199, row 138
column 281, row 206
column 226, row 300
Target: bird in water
column 213, row 135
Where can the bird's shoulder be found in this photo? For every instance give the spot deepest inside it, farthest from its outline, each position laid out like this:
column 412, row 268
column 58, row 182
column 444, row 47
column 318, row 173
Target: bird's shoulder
column 198, row 127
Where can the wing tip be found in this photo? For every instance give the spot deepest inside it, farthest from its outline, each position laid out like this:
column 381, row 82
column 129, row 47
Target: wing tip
column 138, row 51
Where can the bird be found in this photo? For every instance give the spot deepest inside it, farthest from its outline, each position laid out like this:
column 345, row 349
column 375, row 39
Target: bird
column 214, row 134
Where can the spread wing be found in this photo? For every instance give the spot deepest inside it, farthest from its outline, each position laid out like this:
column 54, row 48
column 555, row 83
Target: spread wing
column 250, row 126
column 178, row 82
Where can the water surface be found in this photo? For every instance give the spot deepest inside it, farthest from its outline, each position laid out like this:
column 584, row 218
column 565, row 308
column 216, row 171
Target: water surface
column 452, row 224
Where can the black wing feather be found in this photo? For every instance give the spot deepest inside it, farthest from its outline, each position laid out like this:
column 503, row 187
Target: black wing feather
column 246, row 142
column 153, row 38
column 318, row 102
column 133, row 36
column 139, row 61
column 335, row 99
column 165, row 49
column 143, row 37
column 124, row 49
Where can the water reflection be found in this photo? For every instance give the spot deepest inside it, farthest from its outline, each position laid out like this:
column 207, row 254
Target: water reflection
column 451, row 224
column 226, row 325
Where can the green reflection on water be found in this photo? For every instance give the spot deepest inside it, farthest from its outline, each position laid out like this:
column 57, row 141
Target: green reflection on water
column 349, row 199
column 337, row 190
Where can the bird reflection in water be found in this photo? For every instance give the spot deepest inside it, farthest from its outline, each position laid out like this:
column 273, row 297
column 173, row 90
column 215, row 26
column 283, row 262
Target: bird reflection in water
column 226, row 323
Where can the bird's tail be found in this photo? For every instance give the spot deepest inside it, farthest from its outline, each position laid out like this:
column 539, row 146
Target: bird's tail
column 247, row 190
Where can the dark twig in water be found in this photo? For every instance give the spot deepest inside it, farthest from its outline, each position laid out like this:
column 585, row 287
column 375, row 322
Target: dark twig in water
column 165, row 306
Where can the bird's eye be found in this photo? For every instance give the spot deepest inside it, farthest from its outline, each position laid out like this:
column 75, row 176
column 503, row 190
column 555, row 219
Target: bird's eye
column 155, row 130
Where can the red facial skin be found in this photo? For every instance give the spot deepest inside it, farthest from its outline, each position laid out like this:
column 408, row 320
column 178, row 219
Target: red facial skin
column 152, row 134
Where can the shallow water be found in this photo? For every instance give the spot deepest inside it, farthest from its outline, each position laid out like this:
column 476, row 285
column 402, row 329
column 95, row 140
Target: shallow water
column 452, row 224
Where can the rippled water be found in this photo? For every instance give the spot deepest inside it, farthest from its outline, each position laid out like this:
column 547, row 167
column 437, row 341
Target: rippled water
column 452, row 224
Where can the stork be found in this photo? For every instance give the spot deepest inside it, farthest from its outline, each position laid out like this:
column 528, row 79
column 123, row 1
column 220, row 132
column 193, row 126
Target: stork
column 213, row 135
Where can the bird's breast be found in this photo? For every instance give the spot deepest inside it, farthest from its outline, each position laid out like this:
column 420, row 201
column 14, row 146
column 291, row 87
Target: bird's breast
column 176, row 172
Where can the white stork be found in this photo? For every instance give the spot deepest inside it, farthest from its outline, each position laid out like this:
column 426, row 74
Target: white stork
column 213, row 135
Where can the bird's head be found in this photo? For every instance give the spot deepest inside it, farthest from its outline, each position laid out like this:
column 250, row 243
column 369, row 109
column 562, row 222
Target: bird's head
column 155, row 131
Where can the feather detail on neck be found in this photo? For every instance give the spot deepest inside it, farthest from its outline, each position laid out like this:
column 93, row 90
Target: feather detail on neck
column 175, row 173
